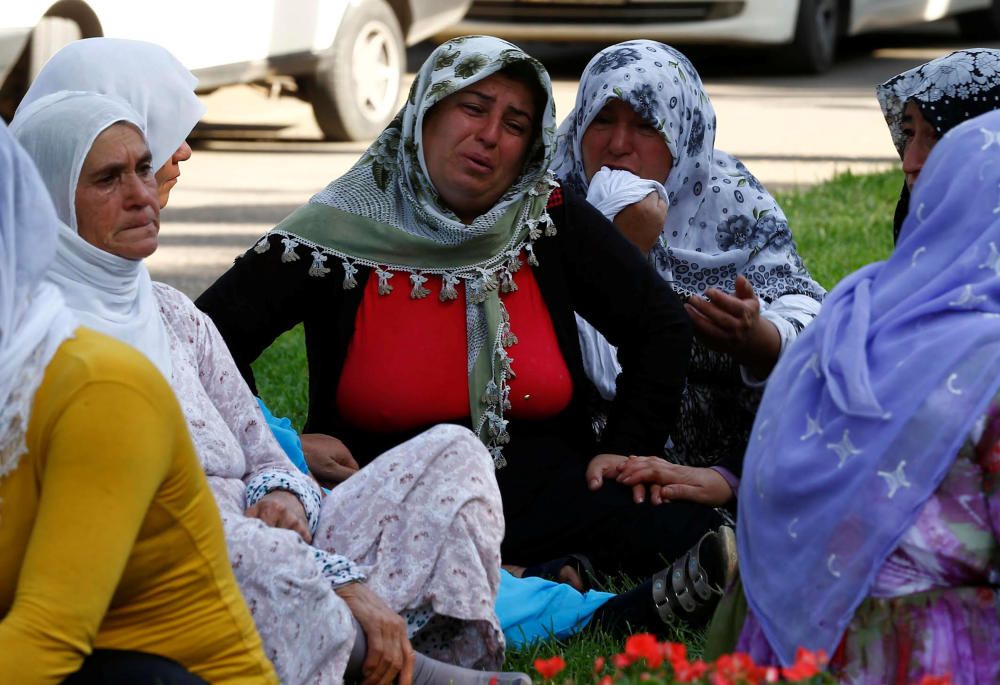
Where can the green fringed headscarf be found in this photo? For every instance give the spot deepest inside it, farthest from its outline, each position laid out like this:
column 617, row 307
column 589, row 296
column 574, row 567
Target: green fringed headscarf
column 385, row 213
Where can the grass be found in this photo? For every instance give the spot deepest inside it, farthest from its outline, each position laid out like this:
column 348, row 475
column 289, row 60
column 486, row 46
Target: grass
column 839, row 226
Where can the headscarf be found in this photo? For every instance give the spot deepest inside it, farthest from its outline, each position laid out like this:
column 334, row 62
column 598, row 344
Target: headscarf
column 864, row 414
column 385, row 213
column 157, row 86
column 721, row 221
column 948, row 91
column 34, row 320
column 108, row 293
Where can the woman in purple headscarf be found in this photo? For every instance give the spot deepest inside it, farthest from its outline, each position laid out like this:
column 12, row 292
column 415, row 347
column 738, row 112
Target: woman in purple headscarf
column 870, row 502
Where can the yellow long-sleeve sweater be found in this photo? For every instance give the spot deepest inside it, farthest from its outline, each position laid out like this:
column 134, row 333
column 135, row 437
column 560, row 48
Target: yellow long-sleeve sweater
column 109, row 536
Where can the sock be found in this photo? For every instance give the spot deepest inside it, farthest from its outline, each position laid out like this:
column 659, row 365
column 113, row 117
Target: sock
column 427, row 671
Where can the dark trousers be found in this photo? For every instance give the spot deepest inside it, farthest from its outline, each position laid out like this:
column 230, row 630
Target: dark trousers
column 550, row 512
column 120, row 667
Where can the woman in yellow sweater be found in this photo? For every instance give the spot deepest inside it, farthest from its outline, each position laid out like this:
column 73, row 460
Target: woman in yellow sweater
column 112, row 560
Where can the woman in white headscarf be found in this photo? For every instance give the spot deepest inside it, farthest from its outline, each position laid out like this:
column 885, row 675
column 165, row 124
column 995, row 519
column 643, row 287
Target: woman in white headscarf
column 307, row 625
column 89, row 430
column 157, row 86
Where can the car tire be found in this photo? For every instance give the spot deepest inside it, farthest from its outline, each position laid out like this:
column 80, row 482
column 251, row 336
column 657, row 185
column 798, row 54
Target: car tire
column 355, row 89
column 817, row 29
column 980, row 25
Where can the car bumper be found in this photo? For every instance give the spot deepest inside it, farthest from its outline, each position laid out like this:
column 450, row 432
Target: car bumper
column 760, row 22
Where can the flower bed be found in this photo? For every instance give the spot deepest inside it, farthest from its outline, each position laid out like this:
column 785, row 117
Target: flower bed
column 650, row 662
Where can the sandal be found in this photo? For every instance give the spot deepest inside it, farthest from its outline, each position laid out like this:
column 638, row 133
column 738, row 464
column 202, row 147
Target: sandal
column 689, row 588
column 550, row 570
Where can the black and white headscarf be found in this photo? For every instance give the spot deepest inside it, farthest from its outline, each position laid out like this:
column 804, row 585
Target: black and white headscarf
column 948, row 91
column 722, row 222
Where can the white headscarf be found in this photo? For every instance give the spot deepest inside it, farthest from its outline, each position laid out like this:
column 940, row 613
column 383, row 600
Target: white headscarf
column 159, row 88
column 34, row 320
column 108, row 293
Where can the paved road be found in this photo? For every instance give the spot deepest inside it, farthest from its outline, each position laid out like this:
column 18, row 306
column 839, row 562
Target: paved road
column 258, row 157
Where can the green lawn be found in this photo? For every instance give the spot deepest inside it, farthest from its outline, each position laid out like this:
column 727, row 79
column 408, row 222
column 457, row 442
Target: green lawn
column 838, row 226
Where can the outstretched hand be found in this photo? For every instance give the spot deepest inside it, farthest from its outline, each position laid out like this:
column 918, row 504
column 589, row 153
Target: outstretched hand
column 669, row 481
column 608, row 467
column 731, row 323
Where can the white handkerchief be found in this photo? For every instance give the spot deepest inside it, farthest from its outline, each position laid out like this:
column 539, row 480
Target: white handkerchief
column 612, row 190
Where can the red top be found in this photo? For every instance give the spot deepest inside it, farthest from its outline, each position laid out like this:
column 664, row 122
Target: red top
column 406, row 365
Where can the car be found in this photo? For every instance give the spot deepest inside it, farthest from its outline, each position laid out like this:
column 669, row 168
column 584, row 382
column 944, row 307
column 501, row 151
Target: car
column 347, row 57
column 803, row 34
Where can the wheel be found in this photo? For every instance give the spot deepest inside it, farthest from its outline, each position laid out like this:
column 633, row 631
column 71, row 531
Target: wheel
column 355, row 89
column 980, row 25
column 817, row 29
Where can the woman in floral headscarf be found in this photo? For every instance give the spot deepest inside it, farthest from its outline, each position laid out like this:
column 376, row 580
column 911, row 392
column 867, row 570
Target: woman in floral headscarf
column 873, row 466
column 437, row 282
column 642, row 111
column 924, row 103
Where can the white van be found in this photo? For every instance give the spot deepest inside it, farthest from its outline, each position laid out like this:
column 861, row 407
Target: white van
column 347, row 56
column 803, row 32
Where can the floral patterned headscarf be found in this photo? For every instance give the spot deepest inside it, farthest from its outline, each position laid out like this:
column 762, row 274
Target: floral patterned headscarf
column 722, row 222
column 948, row 91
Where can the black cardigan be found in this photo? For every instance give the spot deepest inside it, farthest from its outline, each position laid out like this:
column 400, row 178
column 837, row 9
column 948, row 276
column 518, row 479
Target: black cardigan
column 587, row 267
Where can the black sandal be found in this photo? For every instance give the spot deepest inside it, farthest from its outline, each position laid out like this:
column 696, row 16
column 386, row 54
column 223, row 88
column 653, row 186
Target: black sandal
column 689, row 588
column 549, row 570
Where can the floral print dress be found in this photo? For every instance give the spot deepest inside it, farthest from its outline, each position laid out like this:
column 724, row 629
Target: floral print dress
column 935, row 604
column 421, row 525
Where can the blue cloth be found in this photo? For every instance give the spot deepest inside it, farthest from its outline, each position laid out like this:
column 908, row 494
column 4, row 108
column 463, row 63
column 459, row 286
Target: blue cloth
column 286, row 436
column 529, row 609
column 863, row 415
column 532, row 609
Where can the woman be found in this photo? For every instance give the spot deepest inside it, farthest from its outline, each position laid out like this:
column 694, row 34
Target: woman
column 872, row 469
column 445, row 262
column 724, row 244
column 148, row 77
column 924, row 103
column 82, row 142
column 90, row 431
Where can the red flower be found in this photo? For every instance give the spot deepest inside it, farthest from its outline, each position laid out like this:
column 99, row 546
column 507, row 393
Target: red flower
column 771, row 674
column 686, row 672
column 674, row 651
column 739, row 667
column 936, row 680
column 494, row 680
column 644, row 646
column 606, row 680
column 549, row 668
column 599, row 664
column 807, row 664
column 621, row 661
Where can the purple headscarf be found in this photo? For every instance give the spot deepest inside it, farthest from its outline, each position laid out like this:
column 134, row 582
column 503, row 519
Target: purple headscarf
column 864, row 414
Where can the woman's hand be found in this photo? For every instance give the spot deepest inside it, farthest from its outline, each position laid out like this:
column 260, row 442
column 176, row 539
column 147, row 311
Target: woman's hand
column 282, row 509
column 609, row 467
column 673, row 481
column 642, row 222
column 389, row 650
column 732, row 324
column 328, row 458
